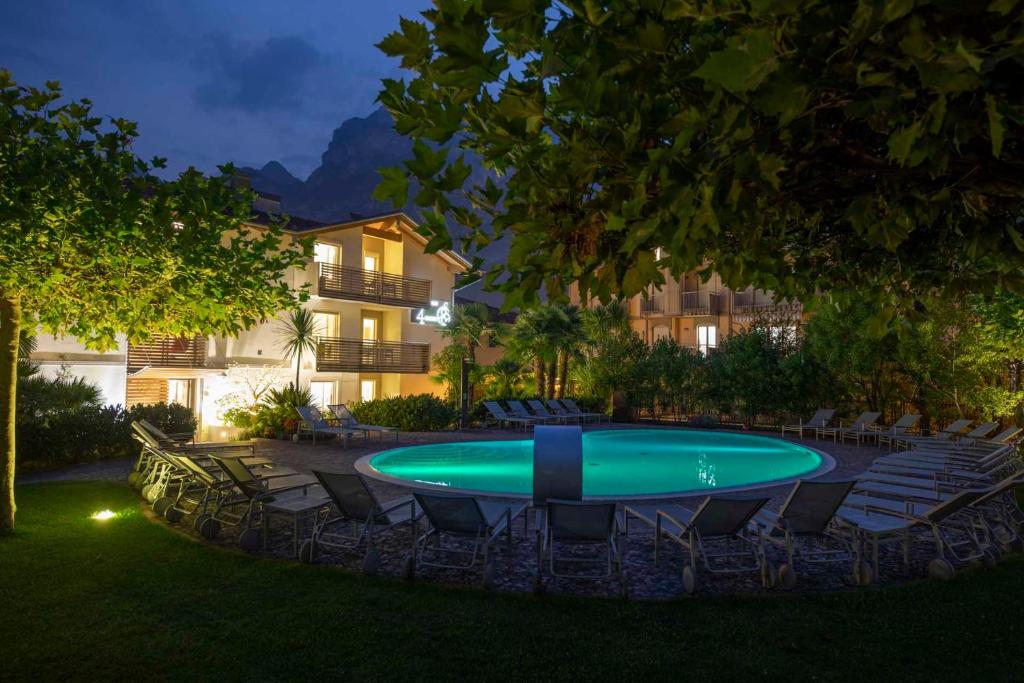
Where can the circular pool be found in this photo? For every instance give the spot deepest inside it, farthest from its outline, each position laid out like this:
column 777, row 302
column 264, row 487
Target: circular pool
column 617, row 463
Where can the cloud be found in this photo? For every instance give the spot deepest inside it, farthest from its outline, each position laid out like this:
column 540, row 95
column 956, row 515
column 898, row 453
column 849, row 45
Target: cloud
column 268, row 77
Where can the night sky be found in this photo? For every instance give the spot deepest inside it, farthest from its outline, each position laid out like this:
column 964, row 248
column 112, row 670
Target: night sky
column 208, row 81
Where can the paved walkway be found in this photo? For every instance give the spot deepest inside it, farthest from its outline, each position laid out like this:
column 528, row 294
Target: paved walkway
column 644, row 579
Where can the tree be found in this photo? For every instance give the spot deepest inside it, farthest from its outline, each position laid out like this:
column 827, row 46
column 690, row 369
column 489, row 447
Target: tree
column 877, row 146
column 297, row 333
column 92, row 244
column 570, row 344
column 471, row 326
column 505, row 378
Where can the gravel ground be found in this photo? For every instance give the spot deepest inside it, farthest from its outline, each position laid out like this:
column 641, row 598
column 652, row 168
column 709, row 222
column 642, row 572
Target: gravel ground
column 643, row 579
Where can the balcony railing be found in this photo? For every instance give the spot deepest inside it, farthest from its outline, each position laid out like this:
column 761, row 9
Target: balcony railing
column 698, row 303
column 340, row 282
column 652, row 306
column 751, row 301
column 168, row 352
column 361, row 355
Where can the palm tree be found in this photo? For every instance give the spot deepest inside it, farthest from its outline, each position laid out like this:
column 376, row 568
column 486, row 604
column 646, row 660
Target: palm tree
column 537, row 335
column 470, row 326
column 505, row 375
column 297, row 333
column 571, row 342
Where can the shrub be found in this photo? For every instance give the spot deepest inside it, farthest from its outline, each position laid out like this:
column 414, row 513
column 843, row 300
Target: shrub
column 420, row 413
column 170, row 418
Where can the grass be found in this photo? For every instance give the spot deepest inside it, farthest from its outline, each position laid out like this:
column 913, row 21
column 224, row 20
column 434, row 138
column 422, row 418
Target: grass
column 131, row 599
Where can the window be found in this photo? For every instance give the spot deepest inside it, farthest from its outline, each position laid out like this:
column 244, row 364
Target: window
column 367, row 389
column 371, row 261
column 327, row 253
column 370, row 327
column 323, row 393
column 327, row 324
column 661, row 332
column 783, row 334
column 180, row 391
column 707, row 338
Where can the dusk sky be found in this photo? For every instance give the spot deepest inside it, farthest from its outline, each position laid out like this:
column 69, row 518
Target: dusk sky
column 209, row 81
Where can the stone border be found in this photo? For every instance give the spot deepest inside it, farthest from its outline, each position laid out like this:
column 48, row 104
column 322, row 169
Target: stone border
column 828, row 463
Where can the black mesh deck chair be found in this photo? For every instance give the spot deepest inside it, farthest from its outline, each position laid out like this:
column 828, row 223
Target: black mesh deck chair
column 570, row 525
column 355, row 517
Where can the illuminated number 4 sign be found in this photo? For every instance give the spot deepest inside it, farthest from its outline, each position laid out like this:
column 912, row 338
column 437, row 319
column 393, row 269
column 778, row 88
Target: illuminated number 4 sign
column 439, row 314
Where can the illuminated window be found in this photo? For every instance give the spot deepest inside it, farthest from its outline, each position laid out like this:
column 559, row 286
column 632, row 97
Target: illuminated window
column 367, row 389
column 369, row 328
column 707, row 338
column 327, row 324
column 323, row 393
column 327, row 253
column 371, row 261
column 180, row 391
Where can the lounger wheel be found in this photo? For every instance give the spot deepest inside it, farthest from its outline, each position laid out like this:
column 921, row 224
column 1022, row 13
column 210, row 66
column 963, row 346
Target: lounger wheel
column 133, row 479
column 787, row 576
column 249, row 540
column 161, row 505
column 308, row 551
column 144, row 491
column 689, row 580
column 409, row 568
column 862, row 574
column 941, row 569
column 173, row 515
column 197, row 523
column 371, row 562
column 209, row 528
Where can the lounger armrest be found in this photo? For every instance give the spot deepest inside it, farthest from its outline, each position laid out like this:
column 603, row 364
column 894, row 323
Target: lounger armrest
column 906, row 514
column 681, row 525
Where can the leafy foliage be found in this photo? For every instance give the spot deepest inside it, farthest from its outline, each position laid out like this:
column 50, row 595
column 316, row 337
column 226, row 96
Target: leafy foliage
column 876, row 145
column 419, row 413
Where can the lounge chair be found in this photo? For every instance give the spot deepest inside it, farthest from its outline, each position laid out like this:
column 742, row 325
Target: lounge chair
column 540, row 411
column 559, row 408
column 499, row 415
column 899, row 428
column 858, row 428
column 819, row 420
column 573, row 523
column 806, row 527
column 945, row 461
column 296, row 497
column 956, row 536
column 944, row 436
column 154, row 440
column 718, row 521
column 471, row 519
column 349, row 421
column 312, row 422
column 967, row 453
column 574, row 409
column 356, row 509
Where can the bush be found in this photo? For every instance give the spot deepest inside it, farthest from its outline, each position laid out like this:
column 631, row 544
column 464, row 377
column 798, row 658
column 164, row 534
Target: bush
column 170, row 418
column 420, row 413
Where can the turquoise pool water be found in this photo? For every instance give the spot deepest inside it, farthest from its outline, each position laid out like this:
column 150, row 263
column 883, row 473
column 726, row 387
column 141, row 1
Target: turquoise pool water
column 621, row 462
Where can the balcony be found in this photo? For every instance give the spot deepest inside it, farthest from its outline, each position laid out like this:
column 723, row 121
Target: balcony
column 756, row 300
column 168, row 352
column 356, row 284
column 361, row 355
column 698, row 303
column 652, row 306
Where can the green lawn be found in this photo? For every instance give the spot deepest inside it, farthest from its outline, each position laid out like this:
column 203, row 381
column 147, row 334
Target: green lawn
column 130, row 599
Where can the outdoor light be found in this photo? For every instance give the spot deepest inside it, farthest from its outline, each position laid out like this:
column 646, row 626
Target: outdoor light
column 103, row 515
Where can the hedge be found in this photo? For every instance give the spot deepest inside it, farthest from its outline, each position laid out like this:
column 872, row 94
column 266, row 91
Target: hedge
column 419, row 413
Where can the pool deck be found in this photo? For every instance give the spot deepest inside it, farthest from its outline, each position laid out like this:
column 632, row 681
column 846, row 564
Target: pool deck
column 643, row 578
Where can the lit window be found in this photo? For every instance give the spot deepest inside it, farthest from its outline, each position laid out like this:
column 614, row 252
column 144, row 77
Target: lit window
column 371, row 262
column 367, row 389
column 180, row 391
column 370, row 329
column 707, row 338
column 327, row 324
column 323, row 393
column 327, row 253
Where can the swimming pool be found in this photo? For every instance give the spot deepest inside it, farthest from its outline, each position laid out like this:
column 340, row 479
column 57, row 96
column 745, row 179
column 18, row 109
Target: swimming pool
column 617, row 463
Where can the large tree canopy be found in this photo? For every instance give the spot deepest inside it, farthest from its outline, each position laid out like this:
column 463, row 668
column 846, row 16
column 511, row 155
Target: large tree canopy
column 799, row 145
column 93, row 245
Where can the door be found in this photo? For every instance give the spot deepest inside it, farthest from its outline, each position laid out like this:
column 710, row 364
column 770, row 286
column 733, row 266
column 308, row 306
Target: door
column 371, row 326
column 327, row 324
column 323, row 393
column 707, row 338
column 367, row 389
column 181, row 391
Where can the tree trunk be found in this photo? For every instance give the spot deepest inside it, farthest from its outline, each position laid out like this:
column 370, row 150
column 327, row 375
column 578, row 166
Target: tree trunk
column 563, row 373
column 552, row 371
column 10, row 327
column 298, row 366
column 538, row 375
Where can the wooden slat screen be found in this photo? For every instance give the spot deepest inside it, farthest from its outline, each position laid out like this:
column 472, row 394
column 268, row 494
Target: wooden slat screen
column 168, row 352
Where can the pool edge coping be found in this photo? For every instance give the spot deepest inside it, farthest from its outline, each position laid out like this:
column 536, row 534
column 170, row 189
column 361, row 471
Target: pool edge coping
column 828, row 463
